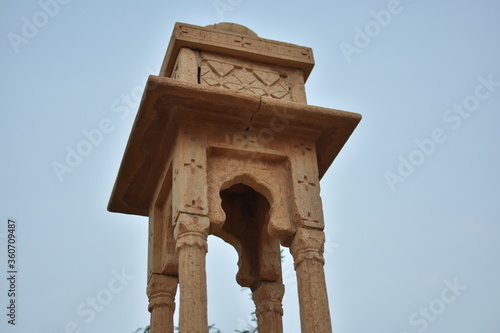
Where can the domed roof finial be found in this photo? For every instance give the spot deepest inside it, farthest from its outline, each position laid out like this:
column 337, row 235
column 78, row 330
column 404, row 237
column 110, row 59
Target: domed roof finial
column 233, row 28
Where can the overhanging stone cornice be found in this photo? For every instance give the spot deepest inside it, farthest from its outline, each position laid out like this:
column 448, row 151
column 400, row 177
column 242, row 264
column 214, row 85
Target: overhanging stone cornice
column 167, row 102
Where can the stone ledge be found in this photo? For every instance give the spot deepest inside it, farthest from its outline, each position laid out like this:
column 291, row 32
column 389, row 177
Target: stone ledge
column 166, row 102
column 244, row 46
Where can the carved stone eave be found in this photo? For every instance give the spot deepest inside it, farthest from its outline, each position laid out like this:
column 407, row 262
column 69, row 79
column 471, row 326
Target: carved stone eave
column 167, row 102
column 223, row 42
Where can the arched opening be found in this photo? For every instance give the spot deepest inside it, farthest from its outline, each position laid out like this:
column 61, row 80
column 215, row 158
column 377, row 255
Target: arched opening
column 247, row 216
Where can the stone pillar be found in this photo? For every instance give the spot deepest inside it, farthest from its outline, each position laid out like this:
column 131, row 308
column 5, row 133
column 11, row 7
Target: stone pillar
column 307, row 251
column 161, row 293
column 268, row 306
column 191, row 233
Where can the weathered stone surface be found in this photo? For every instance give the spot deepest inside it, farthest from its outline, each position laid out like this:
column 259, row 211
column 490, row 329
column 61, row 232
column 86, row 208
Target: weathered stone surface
column 270, row 123
column 225, row 144
column 248, row 77
column 161, row 293
column 223, row 39
column 268, row 308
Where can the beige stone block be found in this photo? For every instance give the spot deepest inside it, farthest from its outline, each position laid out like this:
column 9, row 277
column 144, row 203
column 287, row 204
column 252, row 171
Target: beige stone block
column 186, row 66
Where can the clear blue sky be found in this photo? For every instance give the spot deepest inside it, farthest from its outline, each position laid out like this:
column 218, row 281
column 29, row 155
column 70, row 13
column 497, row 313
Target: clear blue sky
column 411, row 204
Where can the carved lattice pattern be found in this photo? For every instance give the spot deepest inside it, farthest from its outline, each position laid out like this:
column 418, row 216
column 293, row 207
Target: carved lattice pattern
column 246, row 80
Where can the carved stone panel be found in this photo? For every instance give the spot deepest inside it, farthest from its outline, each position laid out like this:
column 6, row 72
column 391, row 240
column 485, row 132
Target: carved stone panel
column 306, row 185
column 246, row 77
column 189, row 175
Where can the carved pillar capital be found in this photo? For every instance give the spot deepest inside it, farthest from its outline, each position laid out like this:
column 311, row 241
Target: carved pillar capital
column 307, row 251
column 191, row 233
column 161, row 291
column 191, row 230
column 268, row 307
column 308, row 244
column 268, row 297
